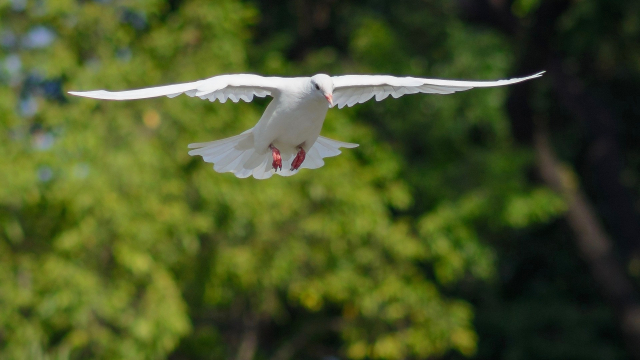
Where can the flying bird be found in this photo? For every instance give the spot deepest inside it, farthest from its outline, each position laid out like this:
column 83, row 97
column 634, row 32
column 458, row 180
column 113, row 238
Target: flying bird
column 287, row 136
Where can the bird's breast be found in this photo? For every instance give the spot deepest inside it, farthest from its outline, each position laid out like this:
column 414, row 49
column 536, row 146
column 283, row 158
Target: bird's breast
column 292, row 122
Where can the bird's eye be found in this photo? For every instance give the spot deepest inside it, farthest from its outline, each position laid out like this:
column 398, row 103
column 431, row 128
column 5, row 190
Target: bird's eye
column 317, row 87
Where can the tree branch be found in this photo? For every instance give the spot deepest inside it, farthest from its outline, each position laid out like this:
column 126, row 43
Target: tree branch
column 593, row 243
column 249, row 342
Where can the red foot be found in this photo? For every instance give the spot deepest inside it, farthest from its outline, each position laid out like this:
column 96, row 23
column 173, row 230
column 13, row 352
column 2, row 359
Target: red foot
column 277, row 159
column 298, row 160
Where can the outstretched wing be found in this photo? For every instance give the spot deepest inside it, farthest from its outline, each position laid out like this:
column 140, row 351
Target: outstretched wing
column 353, row 89
column 235, row 87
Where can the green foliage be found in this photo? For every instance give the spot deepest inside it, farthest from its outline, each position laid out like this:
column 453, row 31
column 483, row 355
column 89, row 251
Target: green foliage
column 523, row 8
column 114, row 243
column 537, row 206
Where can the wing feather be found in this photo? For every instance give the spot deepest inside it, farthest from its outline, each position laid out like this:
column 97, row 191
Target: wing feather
column 367, row 93
column 340, row 97
column 234, row 87
column 397, row 91
column 353, row 89
column 356, row 96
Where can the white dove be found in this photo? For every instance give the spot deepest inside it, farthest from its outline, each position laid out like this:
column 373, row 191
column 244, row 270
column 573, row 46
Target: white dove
column 287, row 136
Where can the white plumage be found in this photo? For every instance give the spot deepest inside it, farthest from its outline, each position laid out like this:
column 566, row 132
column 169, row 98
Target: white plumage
column 287, row 136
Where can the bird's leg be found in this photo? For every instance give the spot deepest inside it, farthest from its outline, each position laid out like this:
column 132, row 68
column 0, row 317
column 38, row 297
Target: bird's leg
column 299, row 159
column 277, row 159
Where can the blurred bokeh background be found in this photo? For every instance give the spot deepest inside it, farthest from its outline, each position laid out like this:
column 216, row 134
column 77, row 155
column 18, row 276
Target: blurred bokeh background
column 491, row 224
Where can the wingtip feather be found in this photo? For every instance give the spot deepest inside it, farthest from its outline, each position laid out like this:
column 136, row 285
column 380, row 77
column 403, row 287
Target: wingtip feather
column 536, row 75
column 96, row 94
column 81, row 93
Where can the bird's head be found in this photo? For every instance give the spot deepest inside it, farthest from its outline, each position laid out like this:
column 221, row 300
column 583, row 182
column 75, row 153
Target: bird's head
column 323, row 86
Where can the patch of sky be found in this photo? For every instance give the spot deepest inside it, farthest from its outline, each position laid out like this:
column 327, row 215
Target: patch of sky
column 13, row 64
column 45, row 173
column 18, row 5
column 43, row 140
column 28, row 107
column 38, row 37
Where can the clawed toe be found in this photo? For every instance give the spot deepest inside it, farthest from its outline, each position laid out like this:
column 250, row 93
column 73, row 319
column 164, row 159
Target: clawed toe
column 298, row 160
column 277, row 159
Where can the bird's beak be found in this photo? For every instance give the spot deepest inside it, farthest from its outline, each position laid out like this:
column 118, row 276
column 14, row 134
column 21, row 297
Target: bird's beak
column 329, row 98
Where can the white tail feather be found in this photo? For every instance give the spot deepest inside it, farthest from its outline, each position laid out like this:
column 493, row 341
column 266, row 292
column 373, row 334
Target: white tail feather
column 238, row 156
